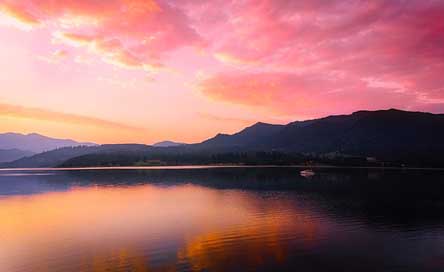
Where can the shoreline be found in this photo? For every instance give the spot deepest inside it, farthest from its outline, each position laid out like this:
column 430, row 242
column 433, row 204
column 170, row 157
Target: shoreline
column 185, row 167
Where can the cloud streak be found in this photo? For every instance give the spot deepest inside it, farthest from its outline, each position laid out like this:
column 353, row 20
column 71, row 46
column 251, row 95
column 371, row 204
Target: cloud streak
column 15, row 111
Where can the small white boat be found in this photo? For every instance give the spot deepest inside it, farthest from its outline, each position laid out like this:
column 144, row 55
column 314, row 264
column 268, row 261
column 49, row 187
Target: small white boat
column 307, row 173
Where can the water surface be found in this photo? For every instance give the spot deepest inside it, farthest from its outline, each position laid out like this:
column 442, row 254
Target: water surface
column 221, row 219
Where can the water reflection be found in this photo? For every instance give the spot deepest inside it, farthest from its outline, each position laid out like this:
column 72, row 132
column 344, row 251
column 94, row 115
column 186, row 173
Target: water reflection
column 221, row 220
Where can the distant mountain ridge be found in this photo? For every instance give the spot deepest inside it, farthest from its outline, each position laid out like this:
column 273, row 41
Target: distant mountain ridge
column 34, row 142
column 58, row 157
column 168, row 144
column 407, row 138
column 8, row 155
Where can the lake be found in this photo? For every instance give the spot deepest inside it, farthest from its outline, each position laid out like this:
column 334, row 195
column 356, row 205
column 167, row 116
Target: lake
column 221, row 219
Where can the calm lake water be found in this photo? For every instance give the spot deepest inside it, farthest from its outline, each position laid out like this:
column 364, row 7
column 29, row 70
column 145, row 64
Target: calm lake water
column 221, row 219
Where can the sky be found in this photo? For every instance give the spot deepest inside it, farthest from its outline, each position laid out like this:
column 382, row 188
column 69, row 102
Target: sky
column 121, row 71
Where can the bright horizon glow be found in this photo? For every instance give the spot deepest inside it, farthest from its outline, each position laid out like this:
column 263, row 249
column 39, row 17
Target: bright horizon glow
column 143, row 71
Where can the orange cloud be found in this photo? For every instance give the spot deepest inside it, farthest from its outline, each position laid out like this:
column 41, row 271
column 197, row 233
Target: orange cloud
column 7, row 110
column 73, row 38
column 19, row 14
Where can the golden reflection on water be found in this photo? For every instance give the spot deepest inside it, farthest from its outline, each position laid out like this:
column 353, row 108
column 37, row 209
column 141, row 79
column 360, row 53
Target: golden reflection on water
column 149, row 228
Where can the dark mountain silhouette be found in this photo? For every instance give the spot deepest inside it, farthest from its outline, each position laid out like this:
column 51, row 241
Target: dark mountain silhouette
column 8, row 155
column 393, row 136
column 168, row 144
column 255, row 136
column 58, row 156
column 369, row 133
column 34, row 142
column 375, row 133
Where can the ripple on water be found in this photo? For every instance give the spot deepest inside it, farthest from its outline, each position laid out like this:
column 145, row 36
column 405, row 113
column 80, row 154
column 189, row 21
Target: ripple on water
column 78, row 222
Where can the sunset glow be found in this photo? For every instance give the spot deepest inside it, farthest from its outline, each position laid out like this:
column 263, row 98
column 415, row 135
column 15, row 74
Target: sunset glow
column 117, row 212
column 149, row 70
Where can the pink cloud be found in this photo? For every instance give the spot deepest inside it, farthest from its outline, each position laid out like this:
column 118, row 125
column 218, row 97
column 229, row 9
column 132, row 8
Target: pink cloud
column 347, row 44
column 130, row 33
column 306, row 95
column 290, row 57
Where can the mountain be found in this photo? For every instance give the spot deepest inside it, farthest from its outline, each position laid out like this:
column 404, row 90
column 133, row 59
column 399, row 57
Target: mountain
column 389, row 137
column 389, row 134
column 58, row 157
column 255, row 136
column 366, row 133
column 9, row 155
column 34, row 142
column 168, row 144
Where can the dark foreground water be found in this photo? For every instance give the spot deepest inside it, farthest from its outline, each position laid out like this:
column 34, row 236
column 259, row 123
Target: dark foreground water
column 222, row 219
